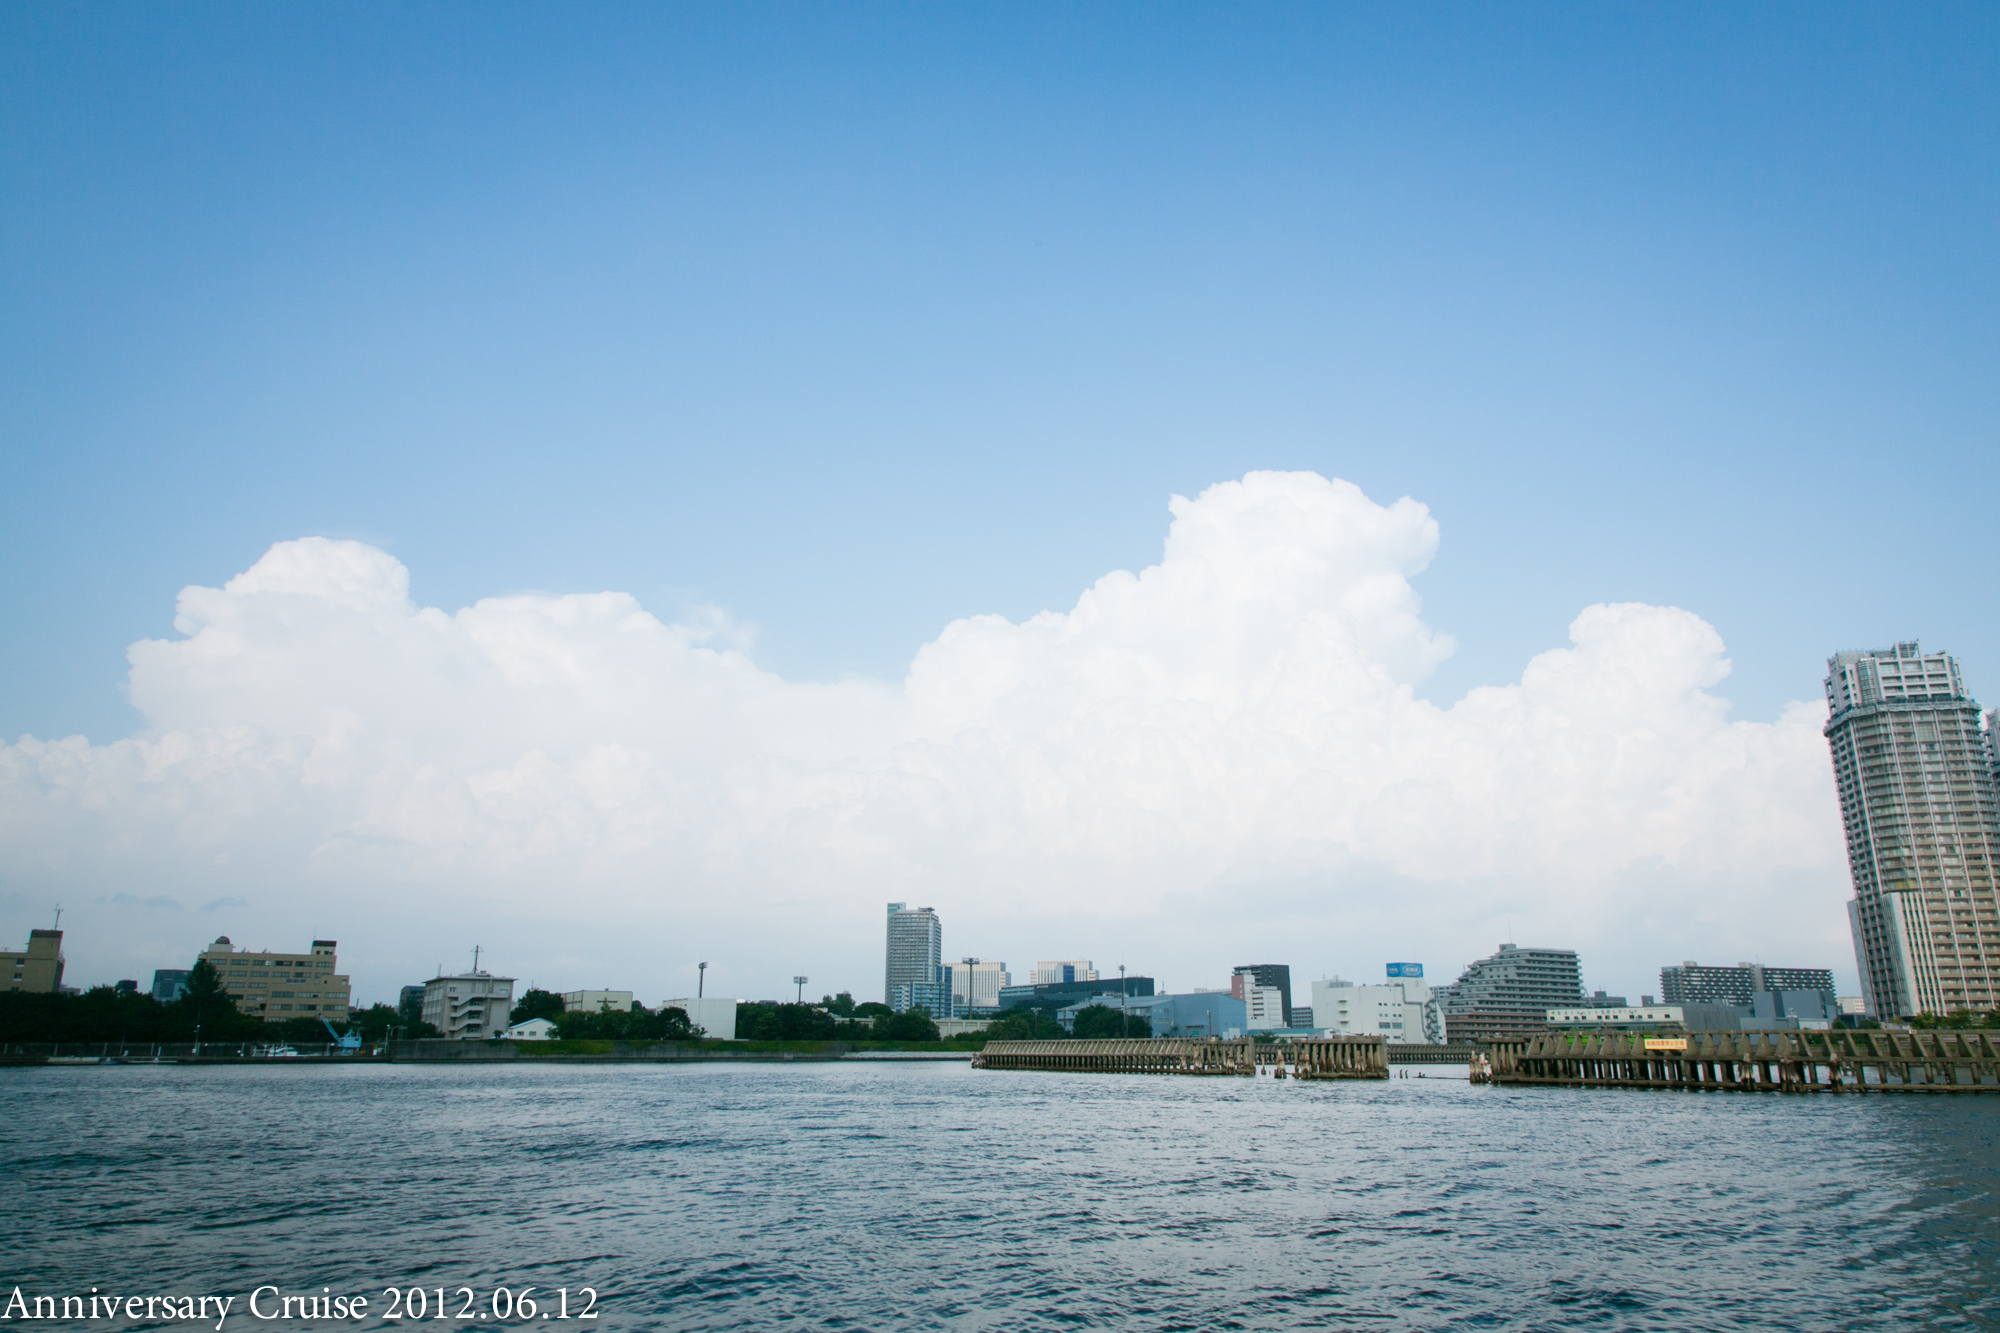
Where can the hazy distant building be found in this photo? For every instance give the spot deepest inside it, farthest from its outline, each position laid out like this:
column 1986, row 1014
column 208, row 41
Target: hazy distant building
column 1691, row 983
column 469, row 1006
column 277, row 986
column 1510, row 991
column 1058, row 994
column 1063, row 971
column 914, row 950
column 37, row 968
column 1813, row 1008
column 169, row 983
column 1918, row 799
column 1275, row 975
column 1198, row 1014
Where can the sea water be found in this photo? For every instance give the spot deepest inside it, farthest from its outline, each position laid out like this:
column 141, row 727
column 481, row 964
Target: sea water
column 870, row 1196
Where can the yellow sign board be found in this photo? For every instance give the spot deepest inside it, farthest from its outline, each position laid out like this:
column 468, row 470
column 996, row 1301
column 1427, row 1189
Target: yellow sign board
column 1666, row 1043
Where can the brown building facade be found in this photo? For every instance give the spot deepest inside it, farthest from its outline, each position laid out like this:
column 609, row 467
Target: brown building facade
column 277, row 986
column 38, row 968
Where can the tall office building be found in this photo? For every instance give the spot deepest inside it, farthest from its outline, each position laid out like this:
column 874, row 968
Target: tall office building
column 915, row 950
column 976, row 984
column 1064, row 971
column 1277, row 976
column 1511, row 991
column 1917, row 795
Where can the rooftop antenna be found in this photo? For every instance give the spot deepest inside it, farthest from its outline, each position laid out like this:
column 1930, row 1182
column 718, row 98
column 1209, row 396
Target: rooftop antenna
column 58, row 924
column 475, row 960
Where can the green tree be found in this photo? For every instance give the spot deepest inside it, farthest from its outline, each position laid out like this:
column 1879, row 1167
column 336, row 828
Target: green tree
column 767, row 1020
column 377, row 1021
column 1024, row 1024
column 872, row 1010
column 537, row 1004
column 1963, row 1018
column 298, row 1032
column 636, row 1024
column 913, row 1024
column 99, row 1014
column 841, row 1005
column 207, row 1007
column 1099, row 1021
column 411, row 1007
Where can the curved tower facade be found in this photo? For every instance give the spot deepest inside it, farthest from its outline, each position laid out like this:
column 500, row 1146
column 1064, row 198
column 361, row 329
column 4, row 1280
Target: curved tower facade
column 1918, row 800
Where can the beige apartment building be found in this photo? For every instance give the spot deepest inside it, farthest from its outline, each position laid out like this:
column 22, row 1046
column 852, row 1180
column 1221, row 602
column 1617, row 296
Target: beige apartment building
column 277, row 986
column 38, row 968
column 470, row 1005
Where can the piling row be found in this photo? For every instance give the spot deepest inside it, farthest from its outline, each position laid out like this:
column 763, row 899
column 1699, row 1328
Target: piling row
column 1340, row 1057
column 1864, row 1060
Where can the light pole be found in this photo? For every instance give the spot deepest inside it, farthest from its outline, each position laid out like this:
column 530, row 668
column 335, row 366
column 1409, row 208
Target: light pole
column 700, row 978
column 1124, row 1017
column 800, row 982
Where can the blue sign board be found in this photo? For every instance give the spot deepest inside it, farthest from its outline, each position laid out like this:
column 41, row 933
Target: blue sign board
column 1406, row 969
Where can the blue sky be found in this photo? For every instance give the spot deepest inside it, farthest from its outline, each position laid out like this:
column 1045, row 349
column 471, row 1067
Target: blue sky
column 852, row 320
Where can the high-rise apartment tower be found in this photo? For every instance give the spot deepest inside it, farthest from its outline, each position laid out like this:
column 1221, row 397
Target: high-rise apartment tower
column 1923, row 830
column 1511, row 991
column 915, row 950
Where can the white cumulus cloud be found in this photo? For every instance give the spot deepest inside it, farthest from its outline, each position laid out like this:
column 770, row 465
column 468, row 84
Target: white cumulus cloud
column 1219, row 759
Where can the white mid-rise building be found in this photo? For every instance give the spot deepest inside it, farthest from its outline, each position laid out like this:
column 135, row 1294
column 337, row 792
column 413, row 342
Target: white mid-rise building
column 470, row 1006
column 716, row 1017
column 1265, row 1006
column 1401, row 1010
column 1062, row 971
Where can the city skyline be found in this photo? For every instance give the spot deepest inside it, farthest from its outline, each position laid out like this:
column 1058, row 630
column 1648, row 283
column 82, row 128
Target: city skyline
column 1153, row 483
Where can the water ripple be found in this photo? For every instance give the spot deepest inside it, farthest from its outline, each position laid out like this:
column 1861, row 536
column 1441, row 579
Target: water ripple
column 926, row 1196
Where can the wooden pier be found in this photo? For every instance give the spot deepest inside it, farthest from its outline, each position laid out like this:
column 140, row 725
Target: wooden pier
column 1847, row 1060
column 1338, row 1057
